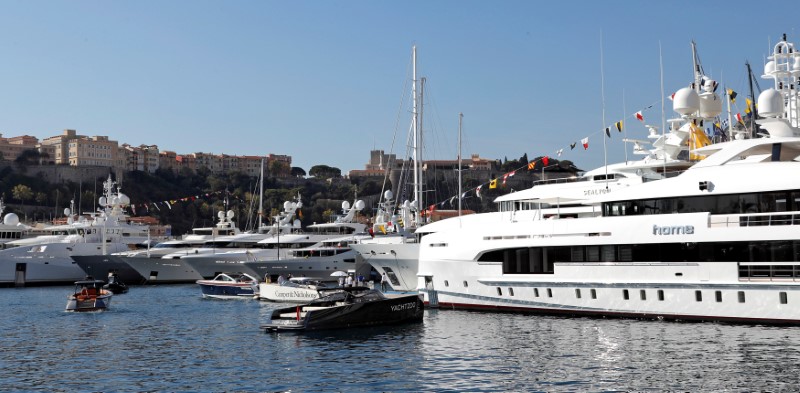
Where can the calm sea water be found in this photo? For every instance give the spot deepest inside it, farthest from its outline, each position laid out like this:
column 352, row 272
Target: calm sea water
column 168, row 338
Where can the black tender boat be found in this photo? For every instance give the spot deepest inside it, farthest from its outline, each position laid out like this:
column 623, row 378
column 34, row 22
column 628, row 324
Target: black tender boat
column 347, row 307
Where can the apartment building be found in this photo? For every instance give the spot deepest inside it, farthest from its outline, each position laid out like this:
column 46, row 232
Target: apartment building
column 11, row 148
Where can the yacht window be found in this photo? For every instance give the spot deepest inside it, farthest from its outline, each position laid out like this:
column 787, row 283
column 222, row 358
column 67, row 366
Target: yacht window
column 499, row 291
column 661, row 295
column 718, row 295
column 592, row 253
column 783, row 297
column 625, row 294
column 643, row 294
column 447, row 284
column 578, row 293
column 593, row 293
column 549, row 292
column 741, row 296
column 510, row 291
column 536, row 292
column 698, row 296
column 465, row 284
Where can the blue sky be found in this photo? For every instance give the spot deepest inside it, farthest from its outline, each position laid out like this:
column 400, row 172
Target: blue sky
column 322, row 81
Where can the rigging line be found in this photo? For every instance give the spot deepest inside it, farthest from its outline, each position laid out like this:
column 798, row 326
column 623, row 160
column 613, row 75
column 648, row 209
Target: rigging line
column 389, row 165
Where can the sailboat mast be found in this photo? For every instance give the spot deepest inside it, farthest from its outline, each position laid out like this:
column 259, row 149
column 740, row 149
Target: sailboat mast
column 415, row 130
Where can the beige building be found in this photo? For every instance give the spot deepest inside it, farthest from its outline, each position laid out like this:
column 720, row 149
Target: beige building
column 79, row 150
column 11, row 148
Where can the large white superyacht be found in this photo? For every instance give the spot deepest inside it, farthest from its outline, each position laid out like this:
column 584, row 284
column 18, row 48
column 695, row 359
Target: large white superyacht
column 717, row 242
column 46, row 259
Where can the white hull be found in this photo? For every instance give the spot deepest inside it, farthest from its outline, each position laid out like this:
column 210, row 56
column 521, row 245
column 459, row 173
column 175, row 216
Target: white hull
column 319, row 268
column 399, row 261
column 48, row 263
column 209, row 265
column 157, row 270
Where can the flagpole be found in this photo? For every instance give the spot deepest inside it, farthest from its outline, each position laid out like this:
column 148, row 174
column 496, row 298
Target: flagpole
column 663, row 113
column 603, row 94
column 624, row 116
column 460, row 119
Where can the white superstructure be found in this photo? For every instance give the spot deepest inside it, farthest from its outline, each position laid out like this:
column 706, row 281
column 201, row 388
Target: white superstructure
column 720, row 241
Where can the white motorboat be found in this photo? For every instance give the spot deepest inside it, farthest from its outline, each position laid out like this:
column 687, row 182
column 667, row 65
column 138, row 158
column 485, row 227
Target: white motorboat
column 293, row 290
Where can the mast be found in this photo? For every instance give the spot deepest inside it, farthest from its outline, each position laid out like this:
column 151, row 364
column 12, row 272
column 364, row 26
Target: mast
column 753, row 111
column 415, row 130
column 261, row 197
column 460, row 118
column 419, row 140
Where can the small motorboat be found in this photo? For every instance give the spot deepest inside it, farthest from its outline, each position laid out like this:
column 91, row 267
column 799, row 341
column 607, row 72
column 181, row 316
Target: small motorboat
column 293, row 290
column 89, row 295
column 230, row 286
column 347, row 307
column 115, row 285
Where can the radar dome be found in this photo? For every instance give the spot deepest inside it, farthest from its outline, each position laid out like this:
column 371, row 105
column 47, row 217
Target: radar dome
column 124, row 200
column 406, row 204
column 770, row 103
column 360, row 205
column 67, row 211
column 11, row 219
column 388, row 194
column 114, row 200
column 769, row 68
column 297, row 223
column 287, row 205
column 220, row 214
column 345, row 205
column 103, row 201
column 230, row 214
column 710, row 105
column 686, row 101
column 414, row 205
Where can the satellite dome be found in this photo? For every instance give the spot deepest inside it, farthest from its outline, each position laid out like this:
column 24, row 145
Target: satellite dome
column 67, row 211
column 360, row 205
column 124, row 200
column 220, row 214
column 230, row 214
column 414, row 205
column 388, row 194
column 345, row 205
column 114, row 200
column 686, row 101
column 770, row 103
column 103, row 201
column 710, row 105
column 11, row 219
column 297, row 223
column 287, row 205
column 769, row 68
column 406, row 204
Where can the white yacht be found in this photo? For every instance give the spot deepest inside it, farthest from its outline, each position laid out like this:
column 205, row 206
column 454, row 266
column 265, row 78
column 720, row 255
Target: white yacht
column 278, row 244
column 46, row 259
column 11, row 229
column 717, row 242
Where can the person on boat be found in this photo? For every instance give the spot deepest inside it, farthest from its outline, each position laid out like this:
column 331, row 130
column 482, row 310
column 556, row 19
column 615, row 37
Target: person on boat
column 281, row 279
column 360, row 280
column 341, row 281
column 384, row 282
column 348, row 282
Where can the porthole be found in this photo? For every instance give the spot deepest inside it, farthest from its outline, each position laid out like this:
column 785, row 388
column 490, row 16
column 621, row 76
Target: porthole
column 549, row 292
column 660, row 295
column 578, row 293
column 741, row 296
column 536, row 292
column 510, row 291
column 499, row 291
column 465, row 284
column 718, row 296
column 625, row 294
column 643, row 294
column 698, row 296
column 784, row 298
column 593, row 293
column 446, row 283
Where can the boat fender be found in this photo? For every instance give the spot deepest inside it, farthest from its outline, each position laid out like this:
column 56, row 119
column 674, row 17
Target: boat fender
column 298, row 313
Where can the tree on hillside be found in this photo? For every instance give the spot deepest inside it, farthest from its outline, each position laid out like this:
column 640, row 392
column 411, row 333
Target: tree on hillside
column 278, row 168
column 324, row 172
column 30, row 156
column 22, row 193
column 298, row 172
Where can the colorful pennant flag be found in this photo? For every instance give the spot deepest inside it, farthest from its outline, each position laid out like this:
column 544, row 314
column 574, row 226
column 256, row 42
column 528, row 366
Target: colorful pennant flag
column 585, row 142
column 507, row 175
column 608, row 132
column 545, row 160
column 572, row 145
column 739, row 118
column 531, row 165
column 493, row 184
column 478, row 191
column 747, row 108
column 619, row 125
column 559, row 152
column 639, row 116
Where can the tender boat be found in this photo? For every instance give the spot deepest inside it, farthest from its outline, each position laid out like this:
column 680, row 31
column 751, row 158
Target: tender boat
column 89, row 295
column 347, row 307
column 230, row 286
column 293, row 290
